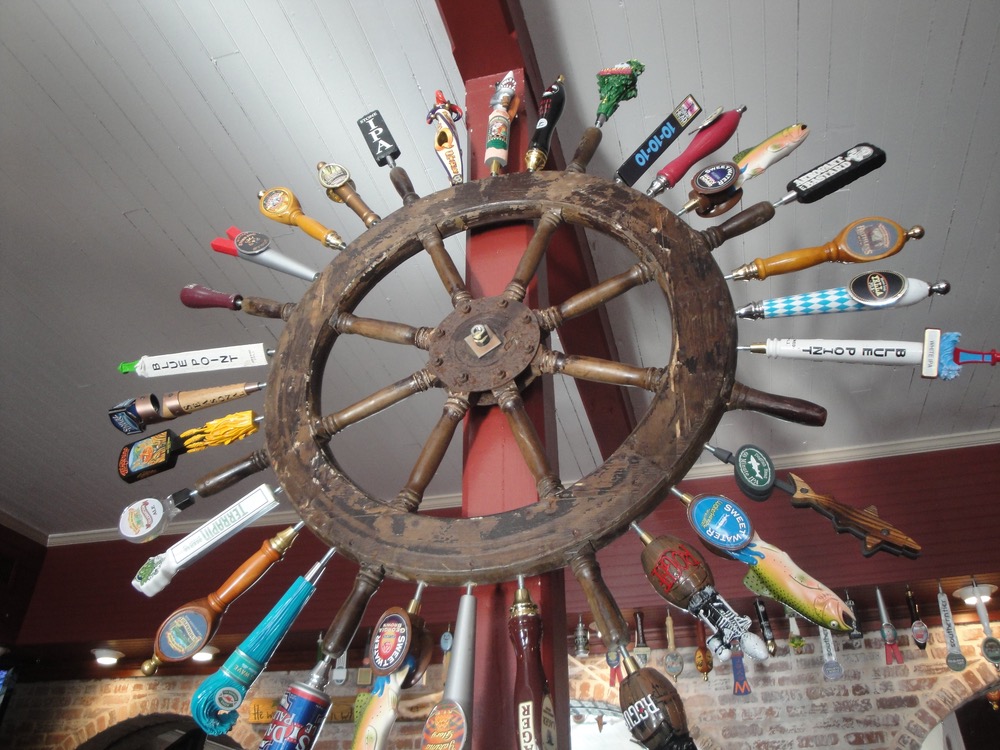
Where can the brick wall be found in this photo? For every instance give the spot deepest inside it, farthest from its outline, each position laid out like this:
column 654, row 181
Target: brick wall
column 790, row 705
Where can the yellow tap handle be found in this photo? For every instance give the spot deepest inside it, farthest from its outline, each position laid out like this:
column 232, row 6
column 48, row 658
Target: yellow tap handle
column 280, row 204
column 222, row 431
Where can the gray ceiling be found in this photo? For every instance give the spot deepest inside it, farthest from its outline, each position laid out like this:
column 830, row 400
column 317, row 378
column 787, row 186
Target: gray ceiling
column 135, row 133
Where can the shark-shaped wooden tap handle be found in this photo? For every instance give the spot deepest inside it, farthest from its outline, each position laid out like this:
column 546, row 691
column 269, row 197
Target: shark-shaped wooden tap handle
column 875, row 533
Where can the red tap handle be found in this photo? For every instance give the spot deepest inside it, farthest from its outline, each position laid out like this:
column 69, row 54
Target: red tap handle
column 706, row 141
column 199, row 296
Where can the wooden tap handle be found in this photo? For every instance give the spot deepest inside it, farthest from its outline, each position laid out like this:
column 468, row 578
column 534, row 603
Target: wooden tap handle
column 184, row 402
column 401, row 181
column 267, row 308
column 230, row 474
column 345, row 623
column 783, row 407
column 741, row 223
column 252, row 569
column 609, row 619
column 797, row 260
column 585, row 151
column 199, row 296
column 865, row 240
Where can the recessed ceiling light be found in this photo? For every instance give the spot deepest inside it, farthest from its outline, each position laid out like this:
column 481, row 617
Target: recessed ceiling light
column 206, row 654
column 968, row 593
column 106, row 656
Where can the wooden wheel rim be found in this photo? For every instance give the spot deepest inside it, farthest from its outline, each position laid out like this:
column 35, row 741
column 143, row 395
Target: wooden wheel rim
column 593, row 511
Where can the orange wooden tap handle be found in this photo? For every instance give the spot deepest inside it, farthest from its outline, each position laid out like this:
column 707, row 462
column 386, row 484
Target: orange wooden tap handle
column 865, row 240
column 252, row 569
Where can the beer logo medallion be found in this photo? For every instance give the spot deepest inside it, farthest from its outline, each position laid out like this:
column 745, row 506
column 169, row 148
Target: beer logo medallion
column 859, row 153
column 673, row 663
column 391, row 642
column 877, row 289
column 251, row 243
column 445, row 726
column 872, row 239
column 755, row 471
column 832, row 670
column 720, row 522
column 955, row 662
column 183, row 635
column 140, row 519
column 991, row 650
column 716, row 178
column 275, row 201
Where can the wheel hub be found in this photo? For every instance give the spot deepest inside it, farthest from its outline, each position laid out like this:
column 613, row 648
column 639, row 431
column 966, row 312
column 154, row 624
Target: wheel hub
column 484, row 344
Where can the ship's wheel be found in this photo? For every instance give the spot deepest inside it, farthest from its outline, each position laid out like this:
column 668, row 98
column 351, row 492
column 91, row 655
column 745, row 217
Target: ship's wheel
column 483, row 354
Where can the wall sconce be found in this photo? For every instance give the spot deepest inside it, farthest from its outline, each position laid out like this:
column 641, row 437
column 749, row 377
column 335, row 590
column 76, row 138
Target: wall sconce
column 106, row 657
column 968, row 594
column 206, row 654
column 581, row 639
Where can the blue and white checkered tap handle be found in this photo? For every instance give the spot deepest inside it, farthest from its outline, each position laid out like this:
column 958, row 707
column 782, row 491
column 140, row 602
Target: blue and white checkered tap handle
column 811, row 303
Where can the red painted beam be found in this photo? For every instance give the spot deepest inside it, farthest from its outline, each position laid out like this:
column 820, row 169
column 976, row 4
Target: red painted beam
column 492, row 37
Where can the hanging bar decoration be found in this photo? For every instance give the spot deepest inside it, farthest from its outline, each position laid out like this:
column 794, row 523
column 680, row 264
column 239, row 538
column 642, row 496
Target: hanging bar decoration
column 503, row 108
column 954, row 659
column 683, row 578
column 862, row 241
column 214, row 704
column 444, row 115
column 158, row 453
column 159, row 570
column 918, row 628
column 201, row 360
column 135, row 414
column 712, row 134
column 875, row 290
column 550, row 109
column 449, row 723
column 724, row 526
column 659, row 140
column 617, row 84
column 189, row 628
column 256, row 247
column 938, row 355
column 340, row 188
column 888, row 632
column 753, row 161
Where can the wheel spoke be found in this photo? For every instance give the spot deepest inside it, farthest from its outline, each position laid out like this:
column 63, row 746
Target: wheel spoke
column 528, row 440
column 528, row 265
column 383, row 330
column 374, row 403
column 598, row 370
column 597, row 295
column 453, row 282
column 433, row 451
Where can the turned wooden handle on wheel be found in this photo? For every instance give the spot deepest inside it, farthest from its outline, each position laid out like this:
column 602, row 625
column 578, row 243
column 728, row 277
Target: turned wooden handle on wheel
column 345, row 623
column 585, row 151
column 790, row 409
column 200, row 296
column 604, row 608
column 230, row 474
column 741, row 223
